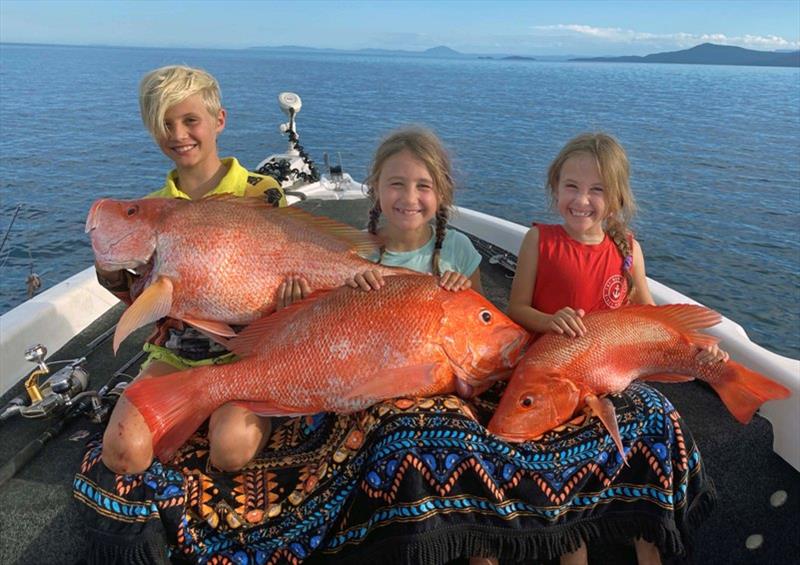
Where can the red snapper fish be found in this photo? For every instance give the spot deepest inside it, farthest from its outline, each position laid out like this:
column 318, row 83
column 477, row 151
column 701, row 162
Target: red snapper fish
column 559, row 375
column 219, row 261
column 340, row 350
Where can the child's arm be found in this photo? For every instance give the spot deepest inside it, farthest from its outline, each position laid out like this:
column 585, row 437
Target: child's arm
column 566, row 321
column 641, row 295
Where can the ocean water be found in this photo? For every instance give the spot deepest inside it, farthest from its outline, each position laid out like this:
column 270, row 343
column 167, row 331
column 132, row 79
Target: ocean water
column 715, row 151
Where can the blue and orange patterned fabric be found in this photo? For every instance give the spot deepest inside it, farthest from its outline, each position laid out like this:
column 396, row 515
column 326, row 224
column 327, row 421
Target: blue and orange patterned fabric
column 408, row 481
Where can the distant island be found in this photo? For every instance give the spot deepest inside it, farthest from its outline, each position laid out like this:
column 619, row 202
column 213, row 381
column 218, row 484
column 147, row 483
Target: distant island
column 507, row 58
column 710, row 54
column 440, row 51
column 703, row 54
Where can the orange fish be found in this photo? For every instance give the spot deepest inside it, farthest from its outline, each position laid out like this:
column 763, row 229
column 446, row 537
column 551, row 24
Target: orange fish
column 219, row 261
column 340, row 350
column 559, row 375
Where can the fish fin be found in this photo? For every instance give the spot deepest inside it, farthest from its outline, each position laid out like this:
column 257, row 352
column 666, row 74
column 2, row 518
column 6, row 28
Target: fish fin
column 153, row 304
column 265, row 409
column 744, row 391
column 246, row 340
column 364, row 243
column 171, row 407
column 604, row 409
column 686, row 319
column 667, row 378
column 393, row 383
column 210, row 327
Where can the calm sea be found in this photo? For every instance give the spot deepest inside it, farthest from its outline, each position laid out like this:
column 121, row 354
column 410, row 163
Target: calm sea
column 715, row 151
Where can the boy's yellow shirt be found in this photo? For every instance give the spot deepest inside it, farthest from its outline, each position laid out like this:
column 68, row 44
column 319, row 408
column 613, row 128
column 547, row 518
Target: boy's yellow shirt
column 238, row 181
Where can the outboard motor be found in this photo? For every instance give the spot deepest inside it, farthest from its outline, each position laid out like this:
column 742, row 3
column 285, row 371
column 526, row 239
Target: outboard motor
column 294, row 167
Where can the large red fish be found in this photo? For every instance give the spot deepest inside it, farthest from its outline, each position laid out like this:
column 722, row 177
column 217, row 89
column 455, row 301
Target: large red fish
column 559, row 375
column 340, row 350
column 219, row 261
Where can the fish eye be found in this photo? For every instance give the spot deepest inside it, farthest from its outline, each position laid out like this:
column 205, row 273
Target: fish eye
column 486, row 316
column 132, row 210
column 526, row 401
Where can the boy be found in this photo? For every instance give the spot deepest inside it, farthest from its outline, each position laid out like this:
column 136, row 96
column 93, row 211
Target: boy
column 181, row 108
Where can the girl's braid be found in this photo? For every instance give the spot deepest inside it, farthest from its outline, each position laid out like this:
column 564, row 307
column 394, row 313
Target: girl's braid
column 619, row 235
column 441, row 230
column 372, row 226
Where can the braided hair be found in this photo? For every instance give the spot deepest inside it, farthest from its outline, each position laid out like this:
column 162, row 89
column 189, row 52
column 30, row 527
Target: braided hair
column 612, row 162
column 423, row 144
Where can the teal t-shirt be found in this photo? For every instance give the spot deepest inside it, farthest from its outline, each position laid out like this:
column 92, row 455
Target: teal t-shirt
column 458, row 254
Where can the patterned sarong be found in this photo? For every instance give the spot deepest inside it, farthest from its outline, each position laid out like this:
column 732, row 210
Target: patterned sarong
column 408, row 481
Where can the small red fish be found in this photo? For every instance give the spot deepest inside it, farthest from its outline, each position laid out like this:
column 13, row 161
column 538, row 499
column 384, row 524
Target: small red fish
column 220, row 261
column 559, row 375
column 340, row 350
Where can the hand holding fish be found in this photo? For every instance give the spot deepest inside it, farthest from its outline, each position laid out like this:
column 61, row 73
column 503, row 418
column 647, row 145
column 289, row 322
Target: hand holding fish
column 368, row 280
column 557, row 376
column 568, row 321
column 451, row 280
column 711, row 354
column 291, row 290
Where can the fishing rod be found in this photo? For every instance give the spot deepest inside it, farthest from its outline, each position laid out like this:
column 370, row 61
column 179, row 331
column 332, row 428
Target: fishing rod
column 63, row 393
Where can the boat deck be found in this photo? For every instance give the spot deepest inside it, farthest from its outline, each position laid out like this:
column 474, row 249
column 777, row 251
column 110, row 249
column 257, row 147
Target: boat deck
column 38, row 522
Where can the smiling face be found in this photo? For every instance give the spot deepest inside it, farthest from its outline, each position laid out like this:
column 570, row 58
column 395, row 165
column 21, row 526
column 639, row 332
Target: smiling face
column 407, row 194
column 192, row 131
column 580, row 198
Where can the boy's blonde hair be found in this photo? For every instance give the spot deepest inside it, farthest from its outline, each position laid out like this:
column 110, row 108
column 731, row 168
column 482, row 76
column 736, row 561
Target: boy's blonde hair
column 612, row 162
column 164, row 87
column 428, row 148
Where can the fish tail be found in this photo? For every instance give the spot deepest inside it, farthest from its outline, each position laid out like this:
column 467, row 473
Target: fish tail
column 744, row 391
column 172, row 407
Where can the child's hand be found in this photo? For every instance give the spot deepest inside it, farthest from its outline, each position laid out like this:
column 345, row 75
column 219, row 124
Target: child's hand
column 366, row 280
column 568, row 321
column 450, row 280
column 711, row 354
column 291, row 290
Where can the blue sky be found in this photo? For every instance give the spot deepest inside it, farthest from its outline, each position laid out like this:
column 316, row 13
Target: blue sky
column 509, row 27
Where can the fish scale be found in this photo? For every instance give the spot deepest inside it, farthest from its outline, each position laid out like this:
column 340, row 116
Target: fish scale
column 340, row 350
column 559, row 375
column 220, row 261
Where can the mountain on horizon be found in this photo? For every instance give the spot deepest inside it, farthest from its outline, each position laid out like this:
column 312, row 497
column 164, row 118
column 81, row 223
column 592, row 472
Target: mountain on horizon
column 440, row 51
column 710, row 54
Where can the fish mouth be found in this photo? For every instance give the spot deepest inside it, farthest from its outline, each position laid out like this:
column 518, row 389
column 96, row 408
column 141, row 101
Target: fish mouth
column 91, row 219
column 512, row 352
column 108, row 248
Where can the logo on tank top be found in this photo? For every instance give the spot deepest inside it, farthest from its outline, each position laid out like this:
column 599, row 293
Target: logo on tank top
column 614, row 291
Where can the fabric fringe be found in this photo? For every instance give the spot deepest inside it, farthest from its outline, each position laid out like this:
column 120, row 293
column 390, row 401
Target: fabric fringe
column 148, row 548
column 513, row 546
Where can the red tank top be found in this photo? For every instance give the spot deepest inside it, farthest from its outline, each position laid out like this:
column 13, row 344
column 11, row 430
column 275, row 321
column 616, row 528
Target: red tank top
column 570, row 273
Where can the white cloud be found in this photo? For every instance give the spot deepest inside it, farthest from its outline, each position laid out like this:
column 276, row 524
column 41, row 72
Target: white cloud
column 680, row 39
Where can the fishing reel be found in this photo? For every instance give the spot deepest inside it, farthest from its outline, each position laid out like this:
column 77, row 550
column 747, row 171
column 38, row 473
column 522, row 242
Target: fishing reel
column 63, row 390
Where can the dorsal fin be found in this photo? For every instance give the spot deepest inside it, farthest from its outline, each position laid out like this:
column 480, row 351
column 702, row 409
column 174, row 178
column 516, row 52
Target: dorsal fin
column 245, row 342
column 363, row 242
column 686, row 319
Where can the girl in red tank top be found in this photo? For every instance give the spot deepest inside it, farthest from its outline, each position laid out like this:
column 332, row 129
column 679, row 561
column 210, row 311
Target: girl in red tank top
column 590, row 262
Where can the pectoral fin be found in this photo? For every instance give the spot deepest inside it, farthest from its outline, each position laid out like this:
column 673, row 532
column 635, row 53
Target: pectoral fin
column 604, row 409
column 210, row 327
column 392, row 383
column 153, row 304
